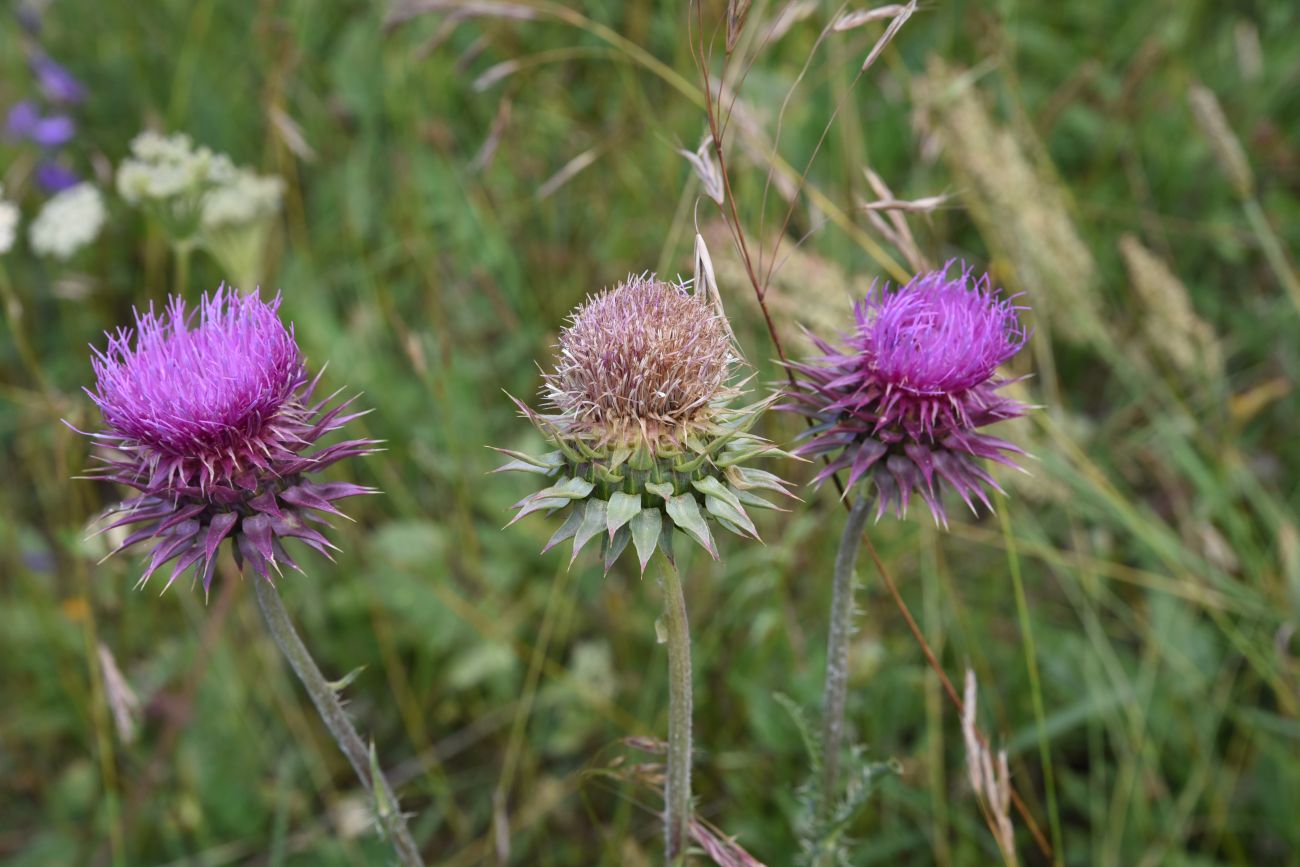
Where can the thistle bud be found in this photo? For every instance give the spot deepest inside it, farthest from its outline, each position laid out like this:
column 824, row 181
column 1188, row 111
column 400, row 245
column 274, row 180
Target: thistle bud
column 646, row 440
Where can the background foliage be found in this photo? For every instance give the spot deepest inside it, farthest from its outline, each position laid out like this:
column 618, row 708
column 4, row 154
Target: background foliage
column 425, row 256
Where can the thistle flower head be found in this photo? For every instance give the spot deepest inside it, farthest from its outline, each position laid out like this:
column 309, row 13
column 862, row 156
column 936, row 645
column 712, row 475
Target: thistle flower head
column 902, row 401
column 208, row 413
column 639, row 363
column 646, row 440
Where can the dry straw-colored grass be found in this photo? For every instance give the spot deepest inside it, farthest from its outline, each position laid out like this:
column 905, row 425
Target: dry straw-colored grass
column 1020, row 208
column 1168, row 320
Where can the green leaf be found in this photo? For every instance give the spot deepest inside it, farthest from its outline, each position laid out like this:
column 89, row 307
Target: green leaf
column 614, row 547
column 622, row 508
column 686, row 514
column 570, row 489
column 711, row 487
column 663, row 489
column 645, row 533
column 731, row 514
column 593, row 522
column 549, row 461
column 536, row 503
column 569, row 527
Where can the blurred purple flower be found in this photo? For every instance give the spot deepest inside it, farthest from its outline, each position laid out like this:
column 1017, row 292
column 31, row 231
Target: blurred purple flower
column 902, row 402
column 25, row 122
column 54, row 178
column 56, row 82
column 211, row 421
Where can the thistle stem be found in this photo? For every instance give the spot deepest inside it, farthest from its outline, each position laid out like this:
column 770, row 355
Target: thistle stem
column 838, row 639
column 336, row 720
column 677, row 790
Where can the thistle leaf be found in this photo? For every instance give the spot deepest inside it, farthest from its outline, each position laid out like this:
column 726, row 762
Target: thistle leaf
column 686, row 514
column 711, row 487
column 615, row 546
column 537, row 503
column 622, row 508
column 593, row 522
column 663, row 489
column 722, row 509
column 570, row 489
column 549, row 461
column 569, row 527
column 645, row 533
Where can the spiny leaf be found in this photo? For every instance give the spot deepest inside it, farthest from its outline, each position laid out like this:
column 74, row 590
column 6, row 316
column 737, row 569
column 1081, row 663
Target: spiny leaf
column 569, row 527
column 622, row 508
column 593, row 522
column 614, row 547
column 725, row 511
column 663, row 489
column 685, row 513
column 645, row 534
column 711, row 487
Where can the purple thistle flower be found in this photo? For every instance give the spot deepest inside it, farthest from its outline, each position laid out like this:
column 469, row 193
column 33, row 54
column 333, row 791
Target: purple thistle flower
column 56, row 82
column 211, row 422
column 903, row 401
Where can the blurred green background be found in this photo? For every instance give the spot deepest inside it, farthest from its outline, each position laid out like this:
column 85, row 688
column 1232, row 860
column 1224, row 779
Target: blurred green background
column 443, row 214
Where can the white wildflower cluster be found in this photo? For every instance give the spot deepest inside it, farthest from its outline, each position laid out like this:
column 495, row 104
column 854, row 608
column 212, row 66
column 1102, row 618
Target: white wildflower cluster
column 195, row 191
column 8, row 223
column 167, row 169
column 68, row 221
column 246, row 198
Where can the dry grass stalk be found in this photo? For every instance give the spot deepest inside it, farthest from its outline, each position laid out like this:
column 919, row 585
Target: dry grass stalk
column 990, row 779
column 1169, row 321
column 1227, row 149
column 806, row 290
column 122, row 700
column 1019, row 207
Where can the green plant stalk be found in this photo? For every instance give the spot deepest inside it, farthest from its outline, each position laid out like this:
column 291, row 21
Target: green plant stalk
column 839, row 636
column 1035, row 685
column 183, row 250
column 336, row 720
column 677, row 789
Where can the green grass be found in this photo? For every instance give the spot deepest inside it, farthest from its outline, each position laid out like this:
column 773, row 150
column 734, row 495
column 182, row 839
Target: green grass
column 1158, row 548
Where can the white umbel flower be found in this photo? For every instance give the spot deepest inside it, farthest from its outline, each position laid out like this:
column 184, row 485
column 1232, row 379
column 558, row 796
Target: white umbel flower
column 8, row 223
column 163, row 168
column 68, row 221
column 246, row 198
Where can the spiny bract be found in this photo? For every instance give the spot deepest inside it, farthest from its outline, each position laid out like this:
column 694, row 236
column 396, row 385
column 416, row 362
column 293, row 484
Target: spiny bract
column 211, row 422
column 644, row 438
column 902, row 402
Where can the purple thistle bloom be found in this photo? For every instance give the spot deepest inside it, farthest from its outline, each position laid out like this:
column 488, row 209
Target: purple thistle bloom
column 54, row 177
column 211, row 422
column 903, row 401
column 56, row 82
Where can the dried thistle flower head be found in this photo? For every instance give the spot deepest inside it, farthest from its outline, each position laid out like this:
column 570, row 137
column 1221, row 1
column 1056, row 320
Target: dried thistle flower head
column 901, row 404
column 211, row 421
column 644, row 434
column 644, row 362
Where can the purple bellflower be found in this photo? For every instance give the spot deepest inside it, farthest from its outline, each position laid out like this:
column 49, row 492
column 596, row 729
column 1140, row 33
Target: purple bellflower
column 55, row 177
column 902, row 402
column 25, row 121
column 208, row 414
column 56, row 82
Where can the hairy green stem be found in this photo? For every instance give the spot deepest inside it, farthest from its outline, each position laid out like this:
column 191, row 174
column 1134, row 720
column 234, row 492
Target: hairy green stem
column 837, row 654
column 677, row 790
column 336, row 720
